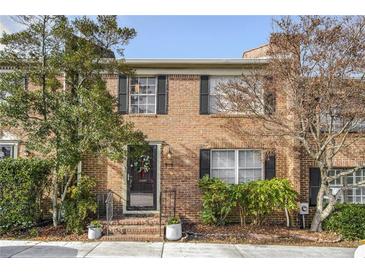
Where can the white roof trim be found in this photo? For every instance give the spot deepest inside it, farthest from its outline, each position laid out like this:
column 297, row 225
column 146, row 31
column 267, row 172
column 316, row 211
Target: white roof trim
column 201, row 61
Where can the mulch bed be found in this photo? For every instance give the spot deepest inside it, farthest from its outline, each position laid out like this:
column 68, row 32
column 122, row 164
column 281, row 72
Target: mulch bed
column 248, row 234
column 46, row 233
column 262, row 235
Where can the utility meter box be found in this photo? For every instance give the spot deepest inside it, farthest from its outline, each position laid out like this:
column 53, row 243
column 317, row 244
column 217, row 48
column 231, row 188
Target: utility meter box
column 304, row 208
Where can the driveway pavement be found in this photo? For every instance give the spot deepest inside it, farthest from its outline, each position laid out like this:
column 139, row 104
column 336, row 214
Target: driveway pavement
column 31, row 249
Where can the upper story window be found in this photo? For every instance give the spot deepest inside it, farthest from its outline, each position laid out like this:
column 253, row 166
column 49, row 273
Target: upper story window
column 355, row 193
column 215, row 99
column 215, row 106
column 236, row 165
column 142, row 91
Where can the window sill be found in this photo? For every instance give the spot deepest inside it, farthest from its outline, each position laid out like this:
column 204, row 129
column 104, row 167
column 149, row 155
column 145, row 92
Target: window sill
column 149, row 115
column 230, row 115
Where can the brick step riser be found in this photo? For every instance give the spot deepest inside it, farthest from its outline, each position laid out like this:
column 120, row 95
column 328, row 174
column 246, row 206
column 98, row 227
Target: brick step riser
column 128, row 231
column 136, row 221
column 136, row 238
column 132, row 222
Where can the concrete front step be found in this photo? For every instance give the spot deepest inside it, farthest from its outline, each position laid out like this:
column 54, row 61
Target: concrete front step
column 136, row 238
column 134, row 229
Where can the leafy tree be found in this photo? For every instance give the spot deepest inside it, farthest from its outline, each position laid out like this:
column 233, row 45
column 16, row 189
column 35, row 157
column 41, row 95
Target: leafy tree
column 64, row 111
column 310, row 96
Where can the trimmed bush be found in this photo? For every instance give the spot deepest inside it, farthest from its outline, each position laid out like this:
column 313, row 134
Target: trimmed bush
column 218, row 200
column 256, row 200
column 79, row 205
column 347, row 220
column 267, row 196
column 22, row 183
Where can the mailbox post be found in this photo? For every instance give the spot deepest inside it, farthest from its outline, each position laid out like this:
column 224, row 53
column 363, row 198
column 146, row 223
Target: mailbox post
column 303, row 210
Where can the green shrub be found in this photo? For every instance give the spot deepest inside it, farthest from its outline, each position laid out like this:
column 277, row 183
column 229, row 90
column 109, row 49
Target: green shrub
column 95, row 224
column 79, row 205
column 173, row 221
column 22, row 183
column 256, row 200
column 266, row 196
column 347, row 220
column 218, row 200
column 241, row 198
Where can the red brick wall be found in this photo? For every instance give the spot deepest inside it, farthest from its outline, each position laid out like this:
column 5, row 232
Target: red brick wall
column 185, row 132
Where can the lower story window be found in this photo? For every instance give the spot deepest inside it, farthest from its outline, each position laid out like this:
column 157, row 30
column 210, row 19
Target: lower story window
column 236, row 165
column 6, row 151
column 354, row 194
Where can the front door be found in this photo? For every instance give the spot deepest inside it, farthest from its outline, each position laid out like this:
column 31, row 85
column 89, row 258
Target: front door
column 142, row 181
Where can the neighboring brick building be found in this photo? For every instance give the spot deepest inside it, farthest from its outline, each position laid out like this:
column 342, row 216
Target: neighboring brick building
column 173, row 102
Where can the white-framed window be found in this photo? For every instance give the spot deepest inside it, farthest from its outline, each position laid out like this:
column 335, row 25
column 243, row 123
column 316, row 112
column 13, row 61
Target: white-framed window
column 355, row 194
column 214, row 82
column 236, row 165
column 8, row 150
column 142, row 94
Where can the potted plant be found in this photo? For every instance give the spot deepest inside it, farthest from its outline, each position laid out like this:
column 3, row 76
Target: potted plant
column 94, row 230
column 173, row 229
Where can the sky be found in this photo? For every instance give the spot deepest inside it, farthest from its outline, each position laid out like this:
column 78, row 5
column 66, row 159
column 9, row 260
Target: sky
column 188, row 36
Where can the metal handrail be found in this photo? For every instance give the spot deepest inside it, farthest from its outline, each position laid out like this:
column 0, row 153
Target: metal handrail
column 165, row 208
column 109, row 209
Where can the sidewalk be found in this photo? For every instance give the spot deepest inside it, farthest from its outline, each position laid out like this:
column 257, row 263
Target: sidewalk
column 31, row 249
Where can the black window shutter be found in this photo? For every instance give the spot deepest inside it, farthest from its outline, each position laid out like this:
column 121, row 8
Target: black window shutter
column 270, row 167
column 123, row 95
column 269, row 103
column 204, row 162
column 162, row 100
column 314, row 184
column 204, row 94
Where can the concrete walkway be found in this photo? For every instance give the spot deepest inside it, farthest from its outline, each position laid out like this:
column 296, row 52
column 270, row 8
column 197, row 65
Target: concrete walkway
column 31, row 249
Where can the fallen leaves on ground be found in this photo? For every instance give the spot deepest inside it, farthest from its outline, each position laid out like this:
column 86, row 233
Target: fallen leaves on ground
column 47, row 233
column 250, row 234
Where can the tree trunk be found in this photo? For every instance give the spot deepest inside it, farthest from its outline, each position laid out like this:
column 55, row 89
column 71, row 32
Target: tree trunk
column 317, row 220
column 55, row 216
column 316, row 225
column 322, row 213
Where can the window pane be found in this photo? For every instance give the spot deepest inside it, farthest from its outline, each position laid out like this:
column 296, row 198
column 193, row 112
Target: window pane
column 142, row 81
column 6, row 151
column 142, row 100
column 142, row 108
column 246, row 175
column 134, row 100
column 227, row 175
column 151, row 81
column 150, row 109
column 249, row 159
column 151, row 90
column 134, row 108
column 214, row 82
column 151, row 100
column 213, row 107
column 223, row 159
column 133, row 89
column 134, row 81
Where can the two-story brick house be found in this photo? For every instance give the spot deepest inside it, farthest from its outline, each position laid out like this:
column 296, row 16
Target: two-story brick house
column 173, row 102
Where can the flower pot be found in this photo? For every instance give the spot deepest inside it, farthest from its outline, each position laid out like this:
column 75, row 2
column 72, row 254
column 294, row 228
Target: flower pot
column 360, row 251
column 94, row 233
column 173, row 232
